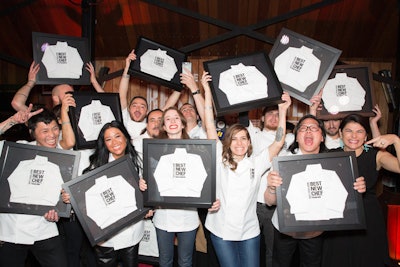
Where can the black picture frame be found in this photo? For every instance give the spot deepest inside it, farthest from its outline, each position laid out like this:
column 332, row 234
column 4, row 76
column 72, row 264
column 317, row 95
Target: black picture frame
column 84, row 99
column 362, row 73
column 40, row 41
column 203, row 150
column 78, row 187
column 13, row 153
column 262, row 63
column 327, row 55
column 345, row 166
column 146, row 45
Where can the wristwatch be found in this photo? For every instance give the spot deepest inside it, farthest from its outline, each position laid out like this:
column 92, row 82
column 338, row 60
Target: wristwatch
column 196, row 92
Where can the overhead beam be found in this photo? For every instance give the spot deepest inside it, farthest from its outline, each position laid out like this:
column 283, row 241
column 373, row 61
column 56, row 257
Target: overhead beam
column 235, row 30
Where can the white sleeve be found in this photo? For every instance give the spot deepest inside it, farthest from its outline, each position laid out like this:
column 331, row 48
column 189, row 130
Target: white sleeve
column 163, row 174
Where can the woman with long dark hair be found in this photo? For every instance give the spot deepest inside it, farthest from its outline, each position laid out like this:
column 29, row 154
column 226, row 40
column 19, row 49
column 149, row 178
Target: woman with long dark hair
column 113, row 143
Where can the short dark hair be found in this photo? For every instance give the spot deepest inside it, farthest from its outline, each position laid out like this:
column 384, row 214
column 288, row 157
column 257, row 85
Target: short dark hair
column 357, row 119
column 295, row 145
column 140, row 97
column 46, row 116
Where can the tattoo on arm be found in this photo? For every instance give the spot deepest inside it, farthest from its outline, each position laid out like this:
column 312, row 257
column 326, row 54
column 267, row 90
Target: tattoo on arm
column 279, row 134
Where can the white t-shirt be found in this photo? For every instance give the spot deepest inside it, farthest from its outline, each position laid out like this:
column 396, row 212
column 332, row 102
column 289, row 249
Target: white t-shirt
column 180, row 174
column 109, row 200
column 92, row 119
column 36, row 182
column 236, row 219
column 316, row 194
column 158, row 63
column 62, row 61
column 343, row 93
column 134, row 128
column 331, row 143
column 243, row 83
column 297, row 67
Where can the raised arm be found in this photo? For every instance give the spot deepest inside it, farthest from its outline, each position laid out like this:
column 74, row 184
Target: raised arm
column 279, row 141
column 68, row 136
column 21, row 116
column 90, row 68
column 315, row 103
column 208, row 108
column 187, row 79
column 172, row 100
column 19, row 101
column 373, row 121
column 124, row 83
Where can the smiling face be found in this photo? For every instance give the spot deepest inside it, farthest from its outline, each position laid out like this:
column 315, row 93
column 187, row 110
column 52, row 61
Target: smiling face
column 239, row 144
column 46, row 135
column 172, row 124
column 353, row 136
column 309, row 136
column 115, row 142
column 189, row 113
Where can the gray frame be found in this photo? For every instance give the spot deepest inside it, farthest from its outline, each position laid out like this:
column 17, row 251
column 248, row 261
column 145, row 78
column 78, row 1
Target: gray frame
column 13, row 153
column 345, row 166
column 154, row 149
column 328, row 56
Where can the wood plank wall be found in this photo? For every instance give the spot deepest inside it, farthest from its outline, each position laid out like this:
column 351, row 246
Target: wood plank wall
column 159, row 94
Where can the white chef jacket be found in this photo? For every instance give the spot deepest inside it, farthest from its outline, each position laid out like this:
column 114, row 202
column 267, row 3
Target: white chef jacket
column 197, row 133
column 316, row 194
column 25, row 229
column 331, row 143
column 37, row 182
column 343, row 93
column 243, row 83
column 109, row 200
column 158, row 63
column 236, row 219
column 180, row 174
column 262, row 140
column 62, row 61
column 92, row 118
column 297, row 67
column 127, row 237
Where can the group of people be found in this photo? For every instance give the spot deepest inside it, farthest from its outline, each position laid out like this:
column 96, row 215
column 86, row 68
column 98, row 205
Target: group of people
column 241, row 226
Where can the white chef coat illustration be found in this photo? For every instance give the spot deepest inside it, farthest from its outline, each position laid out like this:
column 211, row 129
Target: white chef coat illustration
column 297, row 67
column 37, row 182
column 343, row 93
column 316, row 194
column 62, row 61
column 109, row 200
column 92, row 119
column 158, row 63
column 243, row 83
column 180, row 174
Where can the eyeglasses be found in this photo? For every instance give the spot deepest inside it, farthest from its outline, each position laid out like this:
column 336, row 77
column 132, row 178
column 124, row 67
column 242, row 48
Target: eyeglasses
column 312, row 127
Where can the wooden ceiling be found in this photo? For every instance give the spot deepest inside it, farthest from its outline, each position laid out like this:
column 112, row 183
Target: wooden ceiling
column 360, row 28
